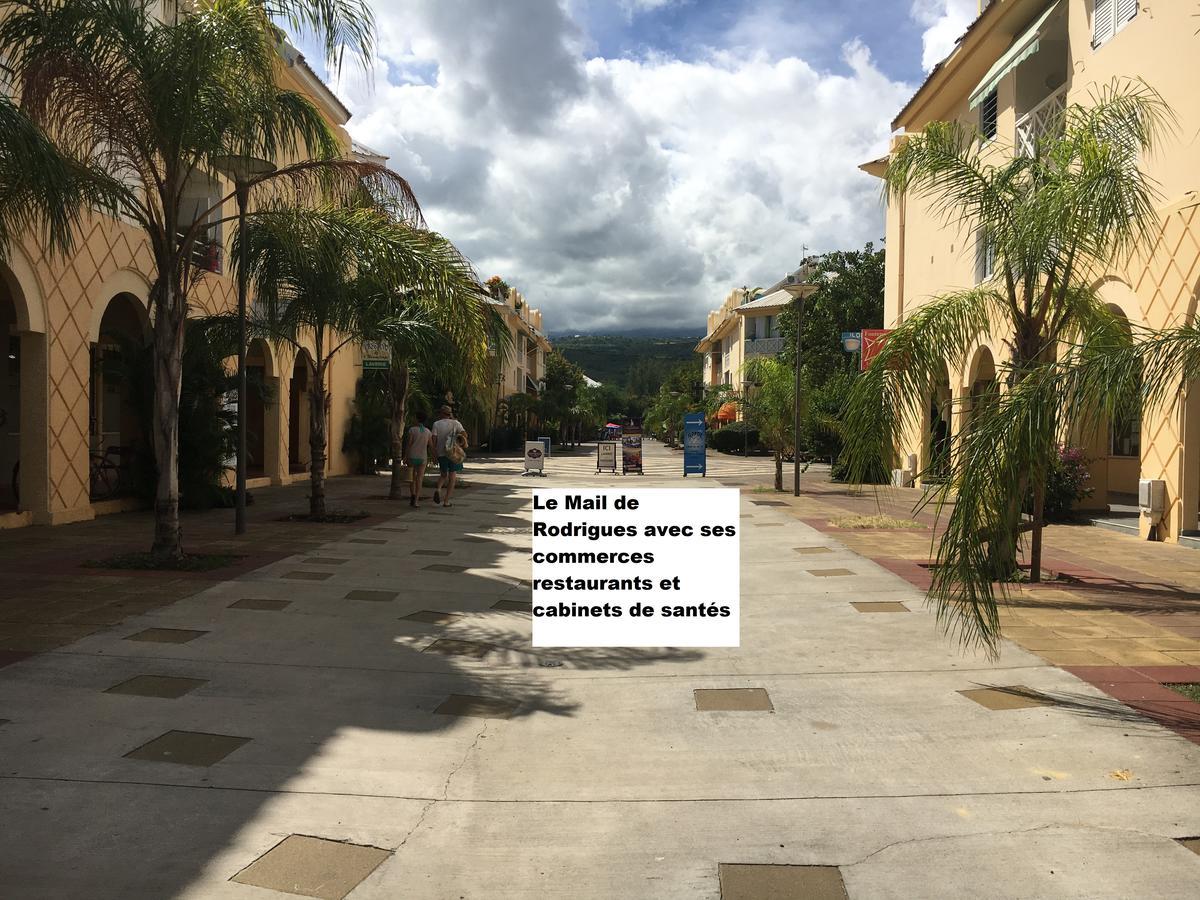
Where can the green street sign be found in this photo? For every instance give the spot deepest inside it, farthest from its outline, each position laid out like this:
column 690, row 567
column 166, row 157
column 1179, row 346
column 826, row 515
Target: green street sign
column 377, row 364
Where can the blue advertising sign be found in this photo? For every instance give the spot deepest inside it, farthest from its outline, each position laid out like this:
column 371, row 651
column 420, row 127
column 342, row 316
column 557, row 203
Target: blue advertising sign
column 695, row 459
column 546, row 443
column 851, row 341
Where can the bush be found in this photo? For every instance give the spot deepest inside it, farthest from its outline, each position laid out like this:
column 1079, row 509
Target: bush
column 735, row 437
column 1067, row 482
column 369, row 432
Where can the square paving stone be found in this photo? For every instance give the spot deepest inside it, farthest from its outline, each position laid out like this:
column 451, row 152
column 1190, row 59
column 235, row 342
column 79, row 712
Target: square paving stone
column 367, row 541
column 732, row 700
column 829, row 573
column 449, row 647
column 472, row 539
column 166, row 635
column 443, row 567
column 879, row 606
column 768, row 503
column 805, row 551
column 307, row 576
column 168, row 687
column 1192, row 843
column 478, row 707
column 765, row 882
column 431, row 553
column 1014, row 696
column 432, row 617
column 188, row 748
column 312, row 867
column 5, row 721
column 514, row 605
column 769, row 525
column 512, row 520
column 325, row 561
column 392, row 530
column 377, row 596
column 262, row 603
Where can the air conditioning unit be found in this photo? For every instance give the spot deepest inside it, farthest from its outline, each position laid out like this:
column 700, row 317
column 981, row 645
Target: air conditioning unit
column 1152, row 498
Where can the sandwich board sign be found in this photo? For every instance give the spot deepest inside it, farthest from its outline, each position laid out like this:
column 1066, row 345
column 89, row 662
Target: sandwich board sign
column 606, row 457
column 631, row 449
column 535, row 457
column 695, row 460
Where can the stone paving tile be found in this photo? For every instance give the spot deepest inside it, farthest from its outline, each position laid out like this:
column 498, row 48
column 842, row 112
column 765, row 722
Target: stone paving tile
column 514, row 605
column 448, row 647
column 775, row 882
column 307, row 576
column 164, row 686
column 732, row 700
column 312, row 867
column 477, row 707
column 375, row 596
column 188, row 748
column 166, row 635
column 433, row 617
column 265, row 604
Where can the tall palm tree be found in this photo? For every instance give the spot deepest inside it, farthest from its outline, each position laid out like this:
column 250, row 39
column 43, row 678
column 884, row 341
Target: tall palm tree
column 462, row 331
column 329, row 275
column 140, row 109
column 1048, row 225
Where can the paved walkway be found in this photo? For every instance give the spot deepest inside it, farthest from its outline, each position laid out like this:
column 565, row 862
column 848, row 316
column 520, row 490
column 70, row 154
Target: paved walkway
column 365, row 717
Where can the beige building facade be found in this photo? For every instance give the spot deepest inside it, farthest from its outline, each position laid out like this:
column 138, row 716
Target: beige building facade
column 63, row 414
column 1012, row 71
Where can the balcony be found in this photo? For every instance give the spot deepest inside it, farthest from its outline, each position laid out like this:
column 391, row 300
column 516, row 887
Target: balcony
column 764, row 346
column 206, row 255
column 1045, row 119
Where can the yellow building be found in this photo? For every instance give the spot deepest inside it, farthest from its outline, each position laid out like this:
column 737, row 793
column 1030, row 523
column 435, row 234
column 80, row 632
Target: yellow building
column 747, row 325
column 1018, row 64
column 523, row 369
column 60, row 315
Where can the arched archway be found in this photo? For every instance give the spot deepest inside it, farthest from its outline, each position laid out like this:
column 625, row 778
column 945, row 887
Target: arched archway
column 262, row 419
column 300, row 386
column 982, row 386
column 24, row 389
column 939, row 430
column 121, row 395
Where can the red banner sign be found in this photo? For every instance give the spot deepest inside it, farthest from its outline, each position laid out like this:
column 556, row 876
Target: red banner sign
column 872, row 343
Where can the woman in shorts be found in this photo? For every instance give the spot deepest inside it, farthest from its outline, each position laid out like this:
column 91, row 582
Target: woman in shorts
column 418, row 447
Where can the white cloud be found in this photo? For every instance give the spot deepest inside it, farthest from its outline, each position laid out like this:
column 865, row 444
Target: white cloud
column 621, row 192
column 944, row 22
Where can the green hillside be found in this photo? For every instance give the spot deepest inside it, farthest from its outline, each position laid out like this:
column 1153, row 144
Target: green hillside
column 635, row 364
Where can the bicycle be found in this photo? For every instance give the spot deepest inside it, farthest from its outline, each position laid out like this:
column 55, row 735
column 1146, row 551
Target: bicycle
column 105, row 475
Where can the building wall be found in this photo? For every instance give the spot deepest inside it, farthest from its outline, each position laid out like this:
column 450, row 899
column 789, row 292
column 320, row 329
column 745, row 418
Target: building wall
column 59, row 302
column 1157, row 287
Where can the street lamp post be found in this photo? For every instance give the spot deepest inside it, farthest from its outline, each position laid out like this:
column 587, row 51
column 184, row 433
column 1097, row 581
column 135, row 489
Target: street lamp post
column 244, row 170
column 798, row 292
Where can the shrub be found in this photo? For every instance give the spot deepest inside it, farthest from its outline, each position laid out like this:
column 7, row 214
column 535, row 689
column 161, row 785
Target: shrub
column 735, row 437
column 1067, row 482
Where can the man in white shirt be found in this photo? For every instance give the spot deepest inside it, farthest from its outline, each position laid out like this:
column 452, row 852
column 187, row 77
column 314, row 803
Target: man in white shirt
column 447, row 433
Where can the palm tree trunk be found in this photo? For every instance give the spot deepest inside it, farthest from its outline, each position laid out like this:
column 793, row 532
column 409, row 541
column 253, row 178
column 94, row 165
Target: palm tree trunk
column 778, row 471
column 168, row 376
column 399, row 377
column 316, row 441
column 1035, row 543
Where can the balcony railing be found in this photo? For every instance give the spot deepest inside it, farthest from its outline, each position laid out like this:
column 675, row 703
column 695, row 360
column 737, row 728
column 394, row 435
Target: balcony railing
column 206, row 255
column 1044, row 119
column 763, row 346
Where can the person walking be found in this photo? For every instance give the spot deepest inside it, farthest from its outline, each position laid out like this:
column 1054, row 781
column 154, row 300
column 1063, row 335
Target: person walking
column 418, row 450
column 450, row 439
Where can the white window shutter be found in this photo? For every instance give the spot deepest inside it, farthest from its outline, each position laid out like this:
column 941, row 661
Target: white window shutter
column 1103, row 21
column 1124, row 12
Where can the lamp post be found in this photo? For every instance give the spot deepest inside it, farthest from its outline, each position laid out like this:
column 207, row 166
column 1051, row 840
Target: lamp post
column 798, row 292
column 244, row 170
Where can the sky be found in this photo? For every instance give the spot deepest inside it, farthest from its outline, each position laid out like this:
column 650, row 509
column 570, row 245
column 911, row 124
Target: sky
column 626, row 163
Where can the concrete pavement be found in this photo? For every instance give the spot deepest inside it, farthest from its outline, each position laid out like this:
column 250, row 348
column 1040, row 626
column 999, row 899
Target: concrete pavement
column 605, row 781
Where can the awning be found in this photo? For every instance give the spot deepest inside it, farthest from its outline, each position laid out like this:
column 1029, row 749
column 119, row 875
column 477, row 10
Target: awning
column 1022, row 48
column 727, row 412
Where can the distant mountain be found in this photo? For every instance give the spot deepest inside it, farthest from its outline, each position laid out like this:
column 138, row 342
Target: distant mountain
column 637, row 364
column 676, row 332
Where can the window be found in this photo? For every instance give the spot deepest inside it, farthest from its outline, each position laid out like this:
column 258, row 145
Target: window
column 1126, row 435
column 988, row 116
column 985, row 257
column 1109, row 17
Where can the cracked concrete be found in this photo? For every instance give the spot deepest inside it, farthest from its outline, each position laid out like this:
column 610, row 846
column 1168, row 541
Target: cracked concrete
column 606, row 782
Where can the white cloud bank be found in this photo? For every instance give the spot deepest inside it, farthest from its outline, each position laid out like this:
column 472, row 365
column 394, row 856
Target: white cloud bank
column 944, row 22
column 621, row 193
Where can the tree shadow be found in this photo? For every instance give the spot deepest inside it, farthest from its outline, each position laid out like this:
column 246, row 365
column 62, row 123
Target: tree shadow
column 339, row 699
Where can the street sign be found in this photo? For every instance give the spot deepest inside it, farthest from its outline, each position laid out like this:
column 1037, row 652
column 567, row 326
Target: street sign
column 376, row 355
column 695, row 459
column 851, row 341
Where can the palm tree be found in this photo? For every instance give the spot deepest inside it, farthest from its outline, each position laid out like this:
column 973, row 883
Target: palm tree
column 1048, row 225
column 771, row 408
column 459, row 326
column 139, row 110
column 330, row 274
